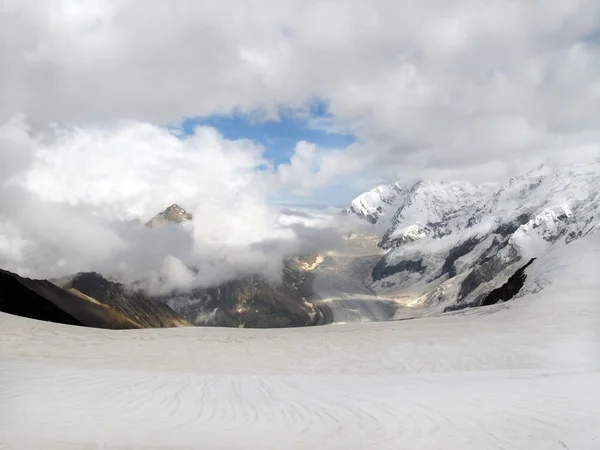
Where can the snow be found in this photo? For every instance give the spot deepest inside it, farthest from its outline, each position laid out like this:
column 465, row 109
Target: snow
column 434, row 222
column 414, row 232
column 546, row 193
column 434, row 202
column 523, row 374
column 379, row 202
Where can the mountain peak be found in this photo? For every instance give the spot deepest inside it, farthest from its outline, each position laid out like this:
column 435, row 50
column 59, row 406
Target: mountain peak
column 173, row 214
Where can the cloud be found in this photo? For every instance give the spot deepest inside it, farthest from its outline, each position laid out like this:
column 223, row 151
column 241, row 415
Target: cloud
column 301, row 169
column 75, row 199
column 423, row 85
column 438, row 89
column 15, row 147
column 140, row 168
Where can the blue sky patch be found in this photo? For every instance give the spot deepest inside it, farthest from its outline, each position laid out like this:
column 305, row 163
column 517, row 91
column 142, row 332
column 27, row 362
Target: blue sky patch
column 278, row 137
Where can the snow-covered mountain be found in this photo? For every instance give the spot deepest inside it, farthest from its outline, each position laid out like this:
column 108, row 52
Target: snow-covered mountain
column 377, row 202
column 429, row 209
column 450, row 244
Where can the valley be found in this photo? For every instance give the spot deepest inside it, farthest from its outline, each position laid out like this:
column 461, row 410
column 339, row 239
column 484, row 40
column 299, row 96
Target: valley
column 420, row 251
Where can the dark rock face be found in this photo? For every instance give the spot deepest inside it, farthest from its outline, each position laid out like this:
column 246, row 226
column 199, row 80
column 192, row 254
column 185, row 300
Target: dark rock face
column 574, row 235
column 457, row 307
column 383, row 270
column 18, row 297
column 501, row 294
column 482, row 274
column 456, row 253
column 42, row 300
column 509, row 289
column 473, row 220
column 89, row 299
column 507, row 229
column 487, row 266
column 255, row 302
column 490, row 263
column 132, row 304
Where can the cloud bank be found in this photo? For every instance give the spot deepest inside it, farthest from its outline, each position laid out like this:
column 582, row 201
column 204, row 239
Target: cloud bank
column 450, row 88
column 75, row 199
column 435, row 89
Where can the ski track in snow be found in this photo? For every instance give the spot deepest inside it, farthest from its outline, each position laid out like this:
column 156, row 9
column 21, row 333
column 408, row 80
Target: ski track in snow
column 521, row 375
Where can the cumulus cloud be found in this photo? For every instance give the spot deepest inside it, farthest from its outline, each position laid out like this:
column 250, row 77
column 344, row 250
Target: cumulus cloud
column 75, row 199
column 424, row 85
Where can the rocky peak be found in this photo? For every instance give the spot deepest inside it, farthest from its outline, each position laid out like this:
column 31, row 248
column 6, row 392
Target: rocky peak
column 173, row 214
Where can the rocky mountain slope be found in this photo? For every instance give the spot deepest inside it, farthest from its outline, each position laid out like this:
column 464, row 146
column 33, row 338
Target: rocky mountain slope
column 248, row 301
column 43, row 300
column 139, row 307
column 451, row 244
column 253, row 301
column 172, row 214
column 90, row 299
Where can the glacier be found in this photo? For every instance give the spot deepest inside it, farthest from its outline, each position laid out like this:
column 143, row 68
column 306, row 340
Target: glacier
column 521, row 374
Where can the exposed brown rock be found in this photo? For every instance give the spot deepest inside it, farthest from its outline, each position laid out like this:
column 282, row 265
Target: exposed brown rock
column 173, row 214
column 42, row 300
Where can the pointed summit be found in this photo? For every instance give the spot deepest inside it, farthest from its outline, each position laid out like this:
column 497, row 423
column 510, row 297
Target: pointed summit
column 173, row 213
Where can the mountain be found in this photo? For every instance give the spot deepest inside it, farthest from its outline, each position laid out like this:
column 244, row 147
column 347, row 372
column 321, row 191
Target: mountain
column 248, row 301
column 451, row 244
column 254, row 302
column 172, row 214
column 429, row 209
column 374, row 204
column 89, row 299
column 136, row 305
column 43, row 300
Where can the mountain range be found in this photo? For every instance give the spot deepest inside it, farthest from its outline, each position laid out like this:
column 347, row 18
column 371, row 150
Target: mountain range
column 451, row 244
column 443, row 246
column 90, row 299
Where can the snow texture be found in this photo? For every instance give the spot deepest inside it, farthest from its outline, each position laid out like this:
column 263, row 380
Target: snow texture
column 520, row 375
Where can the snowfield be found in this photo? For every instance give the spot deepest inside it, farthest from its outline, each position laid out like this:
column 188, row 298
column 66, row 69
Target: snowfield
column 519, row 375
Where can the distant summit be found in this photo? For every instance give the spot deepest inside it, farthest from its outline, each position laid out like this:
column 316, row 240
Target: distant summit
column 173, row 213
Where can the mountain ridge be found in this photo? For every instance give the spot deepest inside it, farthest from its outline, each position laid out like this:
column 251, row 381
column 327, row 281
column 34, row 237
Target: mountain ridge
column 171, row 214
column 453, row 243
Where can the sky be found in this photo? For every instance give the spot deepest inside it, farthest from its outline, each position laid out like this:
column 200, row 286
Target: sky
column 277, row 136
column 113, row 109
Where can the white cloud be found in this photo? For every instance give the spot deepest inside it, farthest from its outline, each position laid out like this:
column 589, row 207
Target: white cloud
column 462, row 81
column 140, row 168
column 430, row 88
column 75, row 199
column 301, row 169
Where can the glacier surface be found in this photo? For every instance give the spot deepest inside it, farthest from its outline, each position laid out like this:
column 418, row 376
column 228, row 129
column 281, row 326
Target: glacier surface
column 522, row 374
